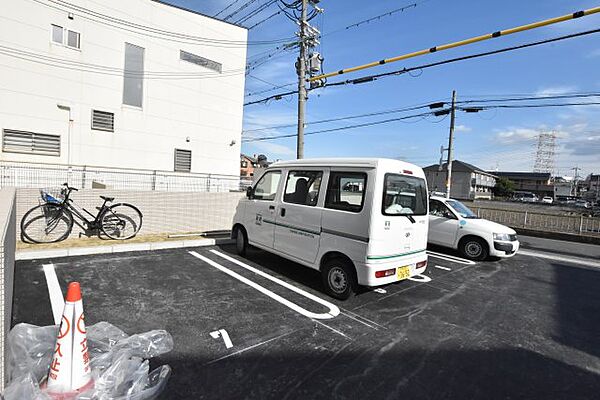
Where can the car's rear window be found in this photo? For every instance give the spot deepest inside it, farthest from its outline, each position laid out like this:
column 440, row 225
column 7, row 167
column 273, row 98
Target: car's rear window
column 404, row 195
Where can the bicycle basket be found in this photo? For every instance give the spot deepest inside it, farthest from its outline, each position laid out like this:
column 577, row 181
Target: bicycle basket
column 52, row 195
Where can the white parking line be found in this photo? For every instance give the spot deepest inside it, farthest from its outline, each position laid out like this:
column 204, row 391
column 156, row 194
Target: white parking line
column 548, row 256
column 334, row 330
column 250, row 348
column 444, row 268
column 333, row 309
column 451, row 258
column 420, row 278
column 57, row 302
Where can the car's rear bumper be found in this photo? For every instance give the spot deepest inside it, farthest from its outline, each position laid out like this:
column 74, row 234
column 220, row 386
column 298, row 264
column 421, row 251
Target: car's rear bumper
column 366, row 271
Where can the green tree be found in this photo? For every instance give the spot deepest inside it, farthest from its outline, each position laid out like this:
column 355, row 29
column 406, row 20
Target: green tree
column 504, row 187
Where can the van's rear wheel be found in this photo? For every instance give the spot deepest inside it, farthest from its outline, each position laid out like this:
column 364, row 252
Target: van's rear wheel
column 473, row 248
column 339, row 278
column 241, row 241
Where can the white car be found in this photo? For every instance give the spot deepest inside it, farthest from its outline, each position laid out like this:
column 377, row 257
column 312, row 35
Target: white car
column 547, row 200
column 452, row 224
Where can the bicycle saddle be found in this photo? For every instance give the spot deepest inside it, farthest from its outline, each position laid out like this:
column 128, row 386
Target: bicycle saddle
column 107, row 198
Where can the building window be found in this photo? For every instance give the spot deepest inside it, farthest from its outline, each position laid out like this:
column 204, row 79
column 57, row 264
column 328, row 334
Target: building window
column 57, row 34
column 30, row 143
column 183, row 160
column 103, row 121
column 244, row 164
column 133, row 78
column 70, row 39
column 73, row 39
column 203, row 62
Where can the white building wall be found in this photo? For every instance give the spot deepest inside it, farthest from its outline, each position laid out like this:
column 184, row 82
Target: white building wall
column 207, row 111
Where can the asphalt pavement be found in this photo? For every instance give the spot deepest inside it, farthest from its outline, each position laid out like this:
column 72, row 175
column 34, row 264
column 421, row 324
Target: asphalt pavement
column 521, row 328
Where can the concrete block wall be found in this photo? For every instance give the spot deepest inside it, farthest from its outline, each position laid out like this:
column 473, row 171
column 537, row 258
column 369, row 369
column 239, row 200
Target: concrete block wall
column 7, row 269
column 163, row 212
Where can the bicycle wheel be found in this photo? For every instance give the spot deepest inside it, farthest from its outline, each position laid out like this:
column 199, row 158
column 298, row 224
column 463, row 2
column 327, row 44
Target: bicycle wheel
column 121, row 221
column 47, row 223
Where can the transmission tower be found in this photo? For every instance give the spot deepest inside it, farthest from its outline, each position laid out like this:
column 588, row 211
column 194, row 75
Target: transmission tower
column 545, row 154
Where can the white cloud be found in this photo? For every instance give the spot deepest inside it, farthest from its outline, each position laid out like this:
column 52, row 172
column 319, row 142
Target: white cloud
column 275, row 151
column 593, row 53
column 462, row 128
column 556, row 90
column 516, row 135
column 519, row 135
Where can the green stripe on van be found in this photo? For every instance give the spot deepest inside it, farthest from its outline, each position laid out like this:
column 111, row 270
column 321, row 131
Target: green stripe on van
column 394, row 255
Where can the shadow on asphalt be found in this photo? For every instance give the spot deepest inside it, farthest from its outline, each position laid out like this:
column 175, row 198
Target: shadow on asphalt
column 578, row 307
column 293, row 371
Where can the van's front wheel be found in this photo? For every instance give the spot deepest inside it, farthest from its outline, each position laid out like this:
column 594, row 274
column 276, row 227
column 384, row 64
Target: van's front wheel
column 339, row 278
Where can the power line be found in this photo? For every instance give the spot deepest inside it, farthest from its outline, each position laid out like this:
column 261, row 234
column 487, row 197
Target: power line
column 149, row 30
column 438, row 112
column 374, row 77
column 227, row 8
column 392, row 111
column 475, row 39
column 107, row 70
column 265, row 19
column 483, row 108
column 369, row 78
column 377, row 17
column 242, row 8
column 257, row 11
column 343, row 127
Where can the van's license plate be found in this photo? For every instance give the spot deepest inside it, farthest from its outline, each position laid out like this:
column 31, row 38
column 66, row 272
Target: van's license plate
column 403, row 272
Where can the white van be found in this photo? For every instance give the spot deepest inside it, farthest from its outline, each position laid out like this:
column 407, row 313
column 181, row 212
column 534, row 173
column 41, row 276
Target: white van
column 452, row 224
column 358, row 221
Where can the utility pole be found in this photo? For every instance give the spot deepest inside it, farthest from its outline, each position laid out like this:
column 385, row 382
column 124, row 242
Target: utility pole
column 301, row 69
column 450, row 145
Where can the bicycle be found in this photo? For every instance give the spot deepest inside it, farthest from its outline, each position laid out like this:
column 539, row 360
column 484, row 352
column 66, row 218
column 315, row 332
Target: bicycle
column 52, row 221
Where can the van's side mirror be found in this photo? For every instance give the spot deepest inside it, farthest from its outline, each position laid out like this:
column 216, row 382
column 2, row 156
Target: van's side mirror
column 249, row 192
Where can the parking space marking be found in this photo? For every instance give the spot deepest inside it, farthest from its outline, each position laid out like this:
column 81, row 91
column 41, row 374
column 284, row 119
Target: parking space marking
column 57, row 302
column 359, row 321
column 332, row 329
column 450, row 258
column 420, row 278
column 572, row 260
column 364, row 318
column 444, row 268
column 333, row 309
column 250, row 347
column 222, row 333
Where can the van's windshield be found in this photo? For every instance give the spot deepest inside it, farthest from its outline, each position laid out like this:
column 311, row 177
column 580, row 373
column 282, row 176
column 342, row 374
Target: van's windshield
column 404, row 195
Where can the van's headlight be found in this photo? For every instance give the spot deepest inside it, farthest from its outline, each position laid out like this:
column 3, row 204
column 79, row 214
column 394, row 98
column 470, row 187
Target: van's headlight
column 502, row 236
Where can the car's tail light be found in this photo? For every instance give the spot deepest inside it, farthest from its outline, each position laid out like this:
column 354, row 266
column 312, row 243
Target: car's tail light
column 383, row 274
column 422, row 264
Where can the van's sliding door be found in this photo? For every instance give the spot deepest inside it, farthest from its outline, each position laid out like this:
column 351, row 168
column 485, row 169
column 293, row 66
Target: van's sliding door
column 298, row 219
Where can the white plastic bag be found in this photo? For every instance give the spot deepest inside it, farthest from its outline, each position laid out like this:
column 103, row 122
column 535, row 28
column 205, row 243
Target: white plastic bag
column 119, row 362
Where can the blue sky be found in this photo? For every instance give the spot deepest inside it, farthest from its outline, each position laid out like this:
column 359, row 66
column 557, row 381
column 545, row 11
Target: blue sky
column 503, row 139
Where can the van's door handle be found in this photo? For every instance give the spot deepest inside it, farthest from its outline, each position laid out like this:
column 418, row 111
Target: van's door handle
column 282, row 212
column 271, row 207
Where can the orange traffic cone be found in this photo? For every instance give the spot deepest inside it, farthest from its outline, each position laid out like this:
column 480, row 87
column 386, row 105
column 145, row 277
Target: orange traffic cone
column 70, row 372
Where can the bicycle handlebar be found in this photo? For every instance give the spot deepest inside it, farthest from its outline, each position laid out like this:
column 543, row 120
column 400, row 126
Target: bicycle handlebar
column 69, row 188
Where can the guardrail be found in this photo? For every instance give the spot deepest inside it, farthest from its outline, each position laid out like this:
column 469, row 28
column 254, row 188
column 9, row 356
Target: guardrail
column 7, row 269
column 37, row 175
column 580, row 225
